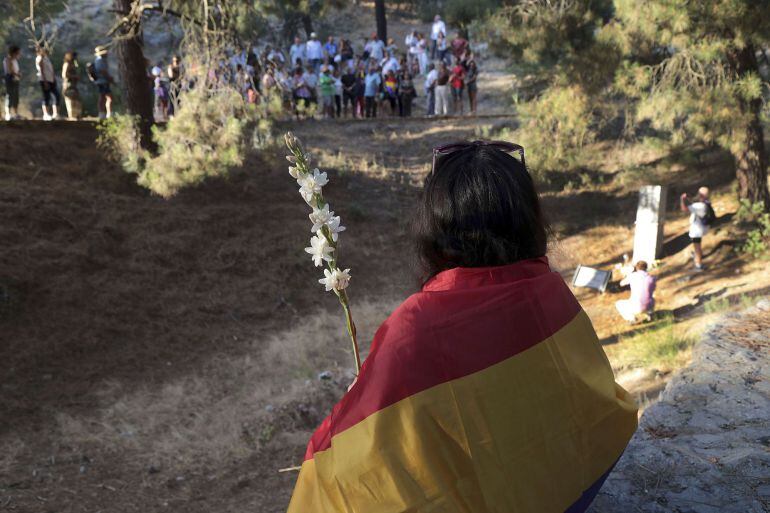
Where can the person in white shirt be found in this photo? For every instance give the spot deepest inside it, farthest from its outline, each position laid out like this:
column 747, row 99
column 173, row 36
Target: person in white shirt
column 47, row 79
column 314, row 52
column 311, row 81
column 438, row 27
column 375, row 48
column 238, row 58
column 430, row 89
column 12, row 76
column 410, row 41
column 389, row 64
column 297, row 53
column 701, row 215
column 275, row 56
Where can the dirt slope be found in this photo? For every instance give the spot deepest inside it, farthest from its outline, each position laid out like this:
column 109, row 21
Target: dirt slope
column 166, row 354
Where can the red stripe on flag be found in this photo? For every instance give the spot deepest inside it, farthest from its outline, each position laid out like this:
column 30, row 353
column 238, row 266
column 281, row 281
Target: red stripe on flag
column 437, row 336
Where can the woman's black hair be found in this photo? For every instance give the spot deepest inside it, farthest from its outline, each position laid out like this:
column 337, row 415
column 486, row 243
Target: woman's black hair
column 479, row 208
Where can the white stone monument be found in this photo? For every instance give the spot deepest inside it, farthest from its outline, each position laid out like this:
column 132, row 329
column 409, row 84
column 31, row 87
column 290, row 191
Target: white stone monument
column 650, row 217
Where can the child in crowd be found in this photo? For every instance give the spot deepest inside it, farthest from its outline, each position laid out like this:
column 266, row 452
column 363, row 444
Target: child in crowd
column 327, row 89
column 457, row 81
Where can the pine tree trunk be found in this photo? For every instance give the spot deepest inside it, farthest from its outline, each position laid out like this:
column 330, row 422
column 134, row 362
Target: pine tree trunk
column 307, row 22
column 132, row 66
column 751, row 159
column 382, row 21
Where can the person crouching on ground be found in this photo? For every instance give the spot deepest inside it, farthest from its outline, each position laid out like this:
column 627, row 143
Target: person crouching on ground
column 487, row 390
column 641, row 301
column 701, row 216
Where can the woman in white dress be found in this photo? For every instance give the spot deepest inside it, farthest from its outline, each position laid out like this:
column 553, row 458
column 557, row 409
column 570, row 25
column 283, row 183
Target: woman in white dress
column 422, row 53
column 410, row 41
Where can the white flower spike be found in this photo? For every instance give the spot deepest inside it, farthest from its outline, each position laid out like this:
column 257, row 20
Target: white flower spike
column 311, row 184
column 343, row 279
column 320, row 250
column 327, row 227
column 335, row 227
column 335, row 280
column 319, row 218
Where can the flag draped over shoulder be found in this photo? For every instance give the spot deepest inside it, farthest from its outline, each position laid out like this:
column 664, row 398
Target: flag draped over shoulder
column 487, row 391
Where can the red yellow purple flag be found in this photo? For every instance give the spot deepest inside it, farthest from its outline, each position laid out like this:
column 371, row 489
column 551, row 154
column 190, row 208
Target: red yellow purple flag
column 487, row 391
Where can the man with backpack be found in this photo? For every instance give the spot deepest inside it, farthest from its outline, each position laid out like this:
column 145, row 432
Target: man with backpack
column 702, row 215
column 99, row 73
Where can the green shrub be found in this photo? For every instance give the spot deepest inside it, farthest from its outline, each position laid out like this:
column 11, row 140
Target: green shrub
column 207, row 137
column 555, row 127
column 663, row 345
column 754, row 216
column 119, row 137
column 716, row 304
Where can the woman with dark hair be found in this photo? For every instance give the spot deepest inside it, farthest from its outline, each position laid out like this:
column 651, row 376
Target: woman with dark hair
column 70, row 74
column 12, row 77
column 487, row 390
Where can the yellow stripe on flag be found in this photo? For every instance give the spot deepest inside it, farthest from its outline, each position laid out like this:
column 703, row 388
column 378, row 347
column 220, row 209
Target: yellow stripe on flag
column 528, row 434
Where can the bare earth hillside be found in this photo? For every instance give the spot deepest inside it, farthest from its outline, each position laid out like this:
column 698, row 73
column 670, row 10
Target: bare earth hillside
column 174, row 354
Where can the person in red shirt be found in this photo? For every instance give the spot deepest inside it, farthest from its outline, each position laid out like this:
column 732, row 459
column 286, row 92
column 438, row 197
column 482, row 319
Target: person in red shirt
column 457, row 81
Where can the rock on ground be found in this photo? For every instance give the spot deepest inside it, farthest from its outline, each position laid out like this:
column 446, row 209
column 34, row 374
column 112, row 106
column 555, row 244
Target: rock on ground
column 705, row 446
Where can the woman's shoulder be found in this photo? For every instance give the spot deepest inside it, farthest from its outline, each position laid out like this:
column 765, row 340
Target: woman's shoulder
column 406, row 322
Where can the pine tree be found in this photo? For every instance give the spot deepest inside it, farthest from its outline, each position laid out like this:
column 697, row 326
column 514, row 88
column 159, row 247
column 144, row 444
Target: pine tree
column 695, row 68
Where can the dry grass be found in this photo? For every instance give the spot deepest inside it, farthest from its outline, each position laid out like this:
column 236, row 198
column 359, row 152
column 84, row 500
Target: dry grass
column 662, row 346
column 232, row 406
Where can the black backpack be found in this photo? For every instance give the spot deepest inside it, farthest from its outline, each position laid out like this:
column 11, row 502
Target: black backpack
column 91, row 72
column 710, row 216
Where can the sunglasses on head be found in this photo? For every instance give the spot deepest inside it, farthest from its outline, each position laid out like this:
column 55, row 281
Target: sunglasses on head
column 448, row 149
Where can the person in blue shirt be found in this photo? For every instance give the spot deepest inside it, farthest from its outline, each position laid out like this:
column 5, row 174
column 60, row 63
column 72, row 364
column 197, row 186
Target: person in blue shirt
column 297, row 53
column 330, row 47
column 372, row 84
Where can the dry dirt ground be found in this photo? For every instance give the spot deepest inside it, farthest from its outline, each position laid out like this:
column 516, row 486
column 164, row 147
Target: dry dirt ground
column 165, row 354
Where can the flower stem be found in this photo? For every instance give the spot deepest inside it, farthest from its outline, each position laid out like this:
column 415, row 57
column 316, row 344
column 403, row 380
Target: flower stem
column 343, row 296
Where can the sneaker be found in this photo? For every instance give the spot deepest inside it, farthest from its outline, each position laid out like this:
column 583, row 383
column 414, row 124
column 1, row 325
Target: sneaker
column 8, row 117
column 46, row 117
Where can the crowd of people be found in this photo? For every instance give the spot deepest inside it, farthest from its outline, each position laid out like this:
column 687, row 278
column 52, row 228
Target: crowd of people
column 333, row 79
column 380, row 77
column 97, row 71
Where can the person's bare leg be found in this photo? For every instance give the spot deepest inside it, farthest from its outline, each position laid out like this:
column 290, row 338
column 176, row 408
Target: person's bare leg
column 108, row 105
column 697, row 254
